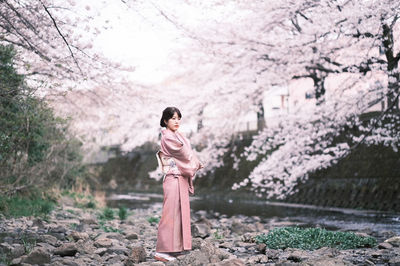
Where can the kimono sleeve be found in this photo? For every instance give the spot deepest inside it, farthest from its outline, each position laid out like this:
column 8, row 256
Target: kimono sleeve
column 176, row 148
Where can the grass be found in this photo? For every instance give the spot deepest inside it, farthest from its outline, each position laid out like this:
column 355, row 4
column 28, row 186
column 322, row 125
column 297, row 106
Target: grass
column 122, row 213
column 312, row 239
column 34, row 205
column 153, row 220
column 81, row 200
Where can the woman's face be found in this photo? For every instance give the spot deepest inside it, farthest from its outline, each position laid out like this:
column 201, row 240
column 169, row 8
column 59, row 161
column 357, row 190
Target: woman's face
column 173, row 122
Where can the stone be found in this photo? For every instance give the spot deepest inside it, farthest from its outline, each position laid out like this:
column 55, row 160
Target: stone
column 272, row 253
column 229, row 262
column 120, row 250
column 240, row 228
column 395, row 261
column 327, row 251
column 385, row 245
column 87, row 218
column 258, row 259
column 297, row 255
column 100, row 251
column 78, row 235
column 17, row 250
column 67, row 249
column 131, row 236
column 16, row 261
column 65, row 262
column 196, row 243
column 261, row 248
column 138, row 254
column 201, row 230
column 328, row 262
column 52, row 240
column 394, row 241
column 37, row 256
column 103, row 243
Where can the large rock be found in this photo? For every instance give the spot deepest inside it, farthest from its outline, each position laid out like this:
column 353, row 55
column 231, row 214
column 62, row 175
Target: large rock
column 49, row 239
column 229, row 262
column 38, row 256
column 138, row 254
column 79, row 235
column 241, row 228
column 103, row 243
column 202, row 230
column 394, row 241
column 67, row 249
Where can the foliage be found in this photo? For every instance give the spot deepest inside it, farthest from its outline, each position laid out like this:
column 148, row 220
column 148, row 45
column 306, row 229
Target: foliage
column 36, row 148
column 32, row 205
column 81, row 200
column 313, row 238
column 108, row 214
column 122, row 213
column 153, row 220
column 107, row 228
column 29, row 244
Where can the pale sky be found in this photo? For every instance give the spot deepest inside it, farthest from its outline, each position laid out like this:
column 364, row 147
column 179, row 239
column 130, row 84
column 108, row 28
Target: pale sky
column 136, row 40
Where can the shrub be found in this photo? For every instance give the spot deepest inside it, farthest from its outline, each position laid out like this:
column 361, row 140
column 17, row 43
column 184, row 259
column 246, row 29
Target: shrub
column 153, row 220
column 32, row 205
column 108, row 214
column 122, row 213
column 313, row 238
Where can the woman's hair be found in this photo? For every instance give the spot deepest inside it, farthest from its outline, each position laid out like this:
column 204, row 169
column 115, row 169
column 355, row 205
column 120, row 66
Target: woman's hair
column 168, row 113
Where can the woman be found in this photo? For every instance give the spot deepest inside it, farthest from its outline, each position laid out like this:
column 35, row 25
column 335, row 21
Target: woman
column 180, row 164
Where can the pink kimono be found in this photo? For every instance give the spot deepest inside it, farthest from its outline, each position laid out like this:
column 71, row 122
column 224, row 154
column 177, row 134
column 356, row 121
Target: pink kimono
column 174, row 233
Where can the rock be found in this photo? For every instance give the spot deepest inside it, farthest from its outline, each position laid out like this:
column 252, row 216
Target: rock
column 138, row 254
column 385, row 245
column 38, row 256
column 57, row 229
column 49, row 239
column 297, row 255
column 200, row 230
column 229, row 262
column 395, row 261
column 258, row 259
column 261, row 248
column 131, row 236
column 65, row 262
column 195, row 258
column 67, row 249
column 196, row 243
column 87, row 218
column 118, row 250
column 272, row 253
column 78, row 235
column 327, row 251
column 103, row 243
column 17, row 250
column 240, row 228
column 328, row 262
column 16, row 261
column 100, row 251
column 394, row 241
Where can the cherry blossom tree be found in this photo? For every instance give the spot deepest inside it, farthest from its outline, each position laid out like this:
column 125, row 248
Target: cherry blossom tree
column 55, row 42
column 260, row 44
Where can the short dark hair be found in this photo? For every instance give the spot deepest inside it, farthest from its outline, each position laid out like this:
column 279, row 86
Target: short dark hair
column 168, row 113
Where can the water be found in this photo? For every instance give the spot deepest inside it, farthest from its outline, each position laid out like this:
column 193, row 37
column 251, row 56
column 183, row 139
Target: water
column 305, row 215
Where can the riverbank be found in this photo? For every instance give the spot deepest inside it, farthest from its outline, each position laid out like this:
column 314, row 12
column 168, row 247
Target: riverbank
column 70, row 235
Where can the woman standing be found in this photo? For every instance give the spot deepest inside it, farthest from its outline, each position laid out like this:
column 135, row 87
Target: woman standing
column 179, row 164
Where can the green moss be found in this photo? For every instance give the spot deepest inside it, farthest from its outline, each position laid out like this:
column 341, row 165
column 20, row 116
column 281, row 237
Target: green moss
column 34, row 205
column 122, row 213
column 153, row 220
column 313, row 238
